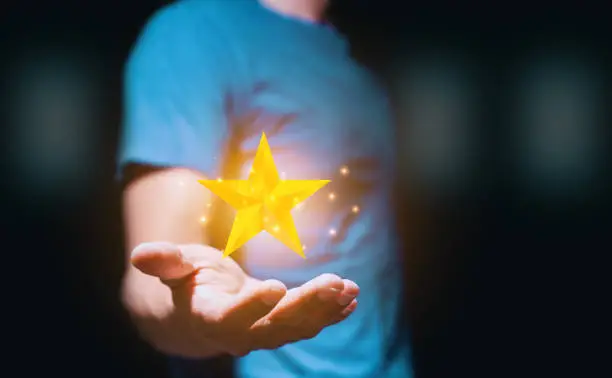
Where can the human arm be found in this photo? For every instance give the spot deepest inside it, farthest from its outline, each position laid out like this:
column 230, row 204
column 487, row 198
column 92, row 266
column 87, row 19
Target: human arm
column 188, row 300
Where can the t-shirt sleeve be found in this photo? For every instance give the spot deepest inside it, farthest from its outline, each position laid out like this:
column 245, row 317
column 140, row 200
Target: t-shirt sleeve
column 175, row 88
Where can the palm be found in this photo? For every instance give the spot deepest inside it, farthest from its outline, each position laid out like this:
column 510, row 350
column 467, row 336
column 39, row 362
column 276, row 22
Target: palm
column 217, row 305
column 223, row 296
column 222, row 275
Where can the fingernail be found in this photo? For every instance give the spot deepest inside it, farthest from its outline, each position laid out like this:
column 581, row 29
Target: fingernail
column 343, row 300
column 349, row 310
column 327, row 294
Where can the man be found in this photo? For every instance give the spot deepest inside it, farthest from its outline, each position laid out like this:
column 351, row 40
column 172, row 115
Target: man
column 204, row 80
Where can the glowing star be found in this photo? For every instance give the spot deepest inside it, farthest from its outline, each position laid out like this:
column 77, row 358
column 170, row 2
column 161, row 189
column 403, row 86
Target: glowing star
column 263, row 202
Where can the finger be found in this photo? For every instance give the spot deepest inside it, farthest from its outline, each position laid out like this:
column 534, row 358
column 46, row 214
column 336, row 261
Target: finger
column 349, row 293
column 333, row 303
column 330, row 311
column 345, row 313
column 300, row 302
column 163, row 260
column 255, row 303
column 233, row 317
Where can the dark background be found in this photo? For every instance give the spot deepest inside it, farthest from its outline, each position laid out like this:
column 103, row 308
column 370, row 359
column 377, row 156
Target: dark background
column 506, row 269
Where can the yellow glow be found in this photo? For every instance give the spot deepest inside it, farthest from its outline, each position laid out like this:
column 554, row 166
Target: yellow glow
column 263, row 194
column 203, row 220
column 355, row 209
column 344, row 170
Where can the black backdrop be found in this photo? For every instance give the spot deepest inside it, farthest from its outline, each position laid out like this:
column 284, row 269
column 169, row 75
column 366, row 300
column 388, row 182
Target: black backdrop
column 502, row 281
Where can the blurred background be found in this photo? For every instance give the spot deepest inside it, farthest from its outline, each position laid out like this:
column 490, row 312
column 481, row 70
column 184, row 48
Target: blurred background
column 504, row 137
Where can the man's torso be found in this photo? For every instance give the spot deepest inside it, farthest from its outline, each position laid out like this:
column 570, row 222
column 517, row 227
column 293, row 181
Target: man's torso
column 325, row 118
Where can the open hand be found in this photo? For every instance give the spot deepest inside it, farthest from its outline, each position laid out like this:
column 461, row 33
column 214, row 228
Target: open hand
column 217, row 305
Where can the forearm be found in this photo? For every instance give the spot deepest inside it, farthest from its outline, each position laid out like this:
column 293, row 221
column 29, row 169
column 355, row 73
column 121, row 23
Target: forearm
column 163, row 206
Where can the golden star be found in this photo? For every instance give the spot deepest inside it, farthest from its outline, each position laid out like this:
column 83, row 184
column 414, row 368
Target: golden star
column 263, row 202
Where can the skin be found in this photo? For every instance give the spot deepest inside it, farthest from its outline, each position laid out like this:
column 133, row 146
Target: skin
column 309, row 10
column 187, row 300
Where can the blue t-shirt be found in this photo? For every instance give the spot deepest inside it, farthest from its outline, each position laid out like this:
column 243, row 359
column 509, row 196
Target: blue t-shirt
column 204, row 80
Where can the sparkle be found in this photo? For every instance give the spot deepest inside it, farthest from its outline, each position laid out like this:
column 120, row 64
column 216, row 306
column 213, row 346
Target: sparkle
column 276, row 228
column 203, row 220
column 219, row 179
column 332, row 196
column 332, row 232
column 355, row 209
column 344, row 170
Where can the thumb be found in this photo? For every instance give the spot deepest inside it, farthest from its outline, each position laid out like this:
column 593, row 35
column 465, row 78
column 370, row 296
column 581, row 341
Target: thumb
column 163, row 260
